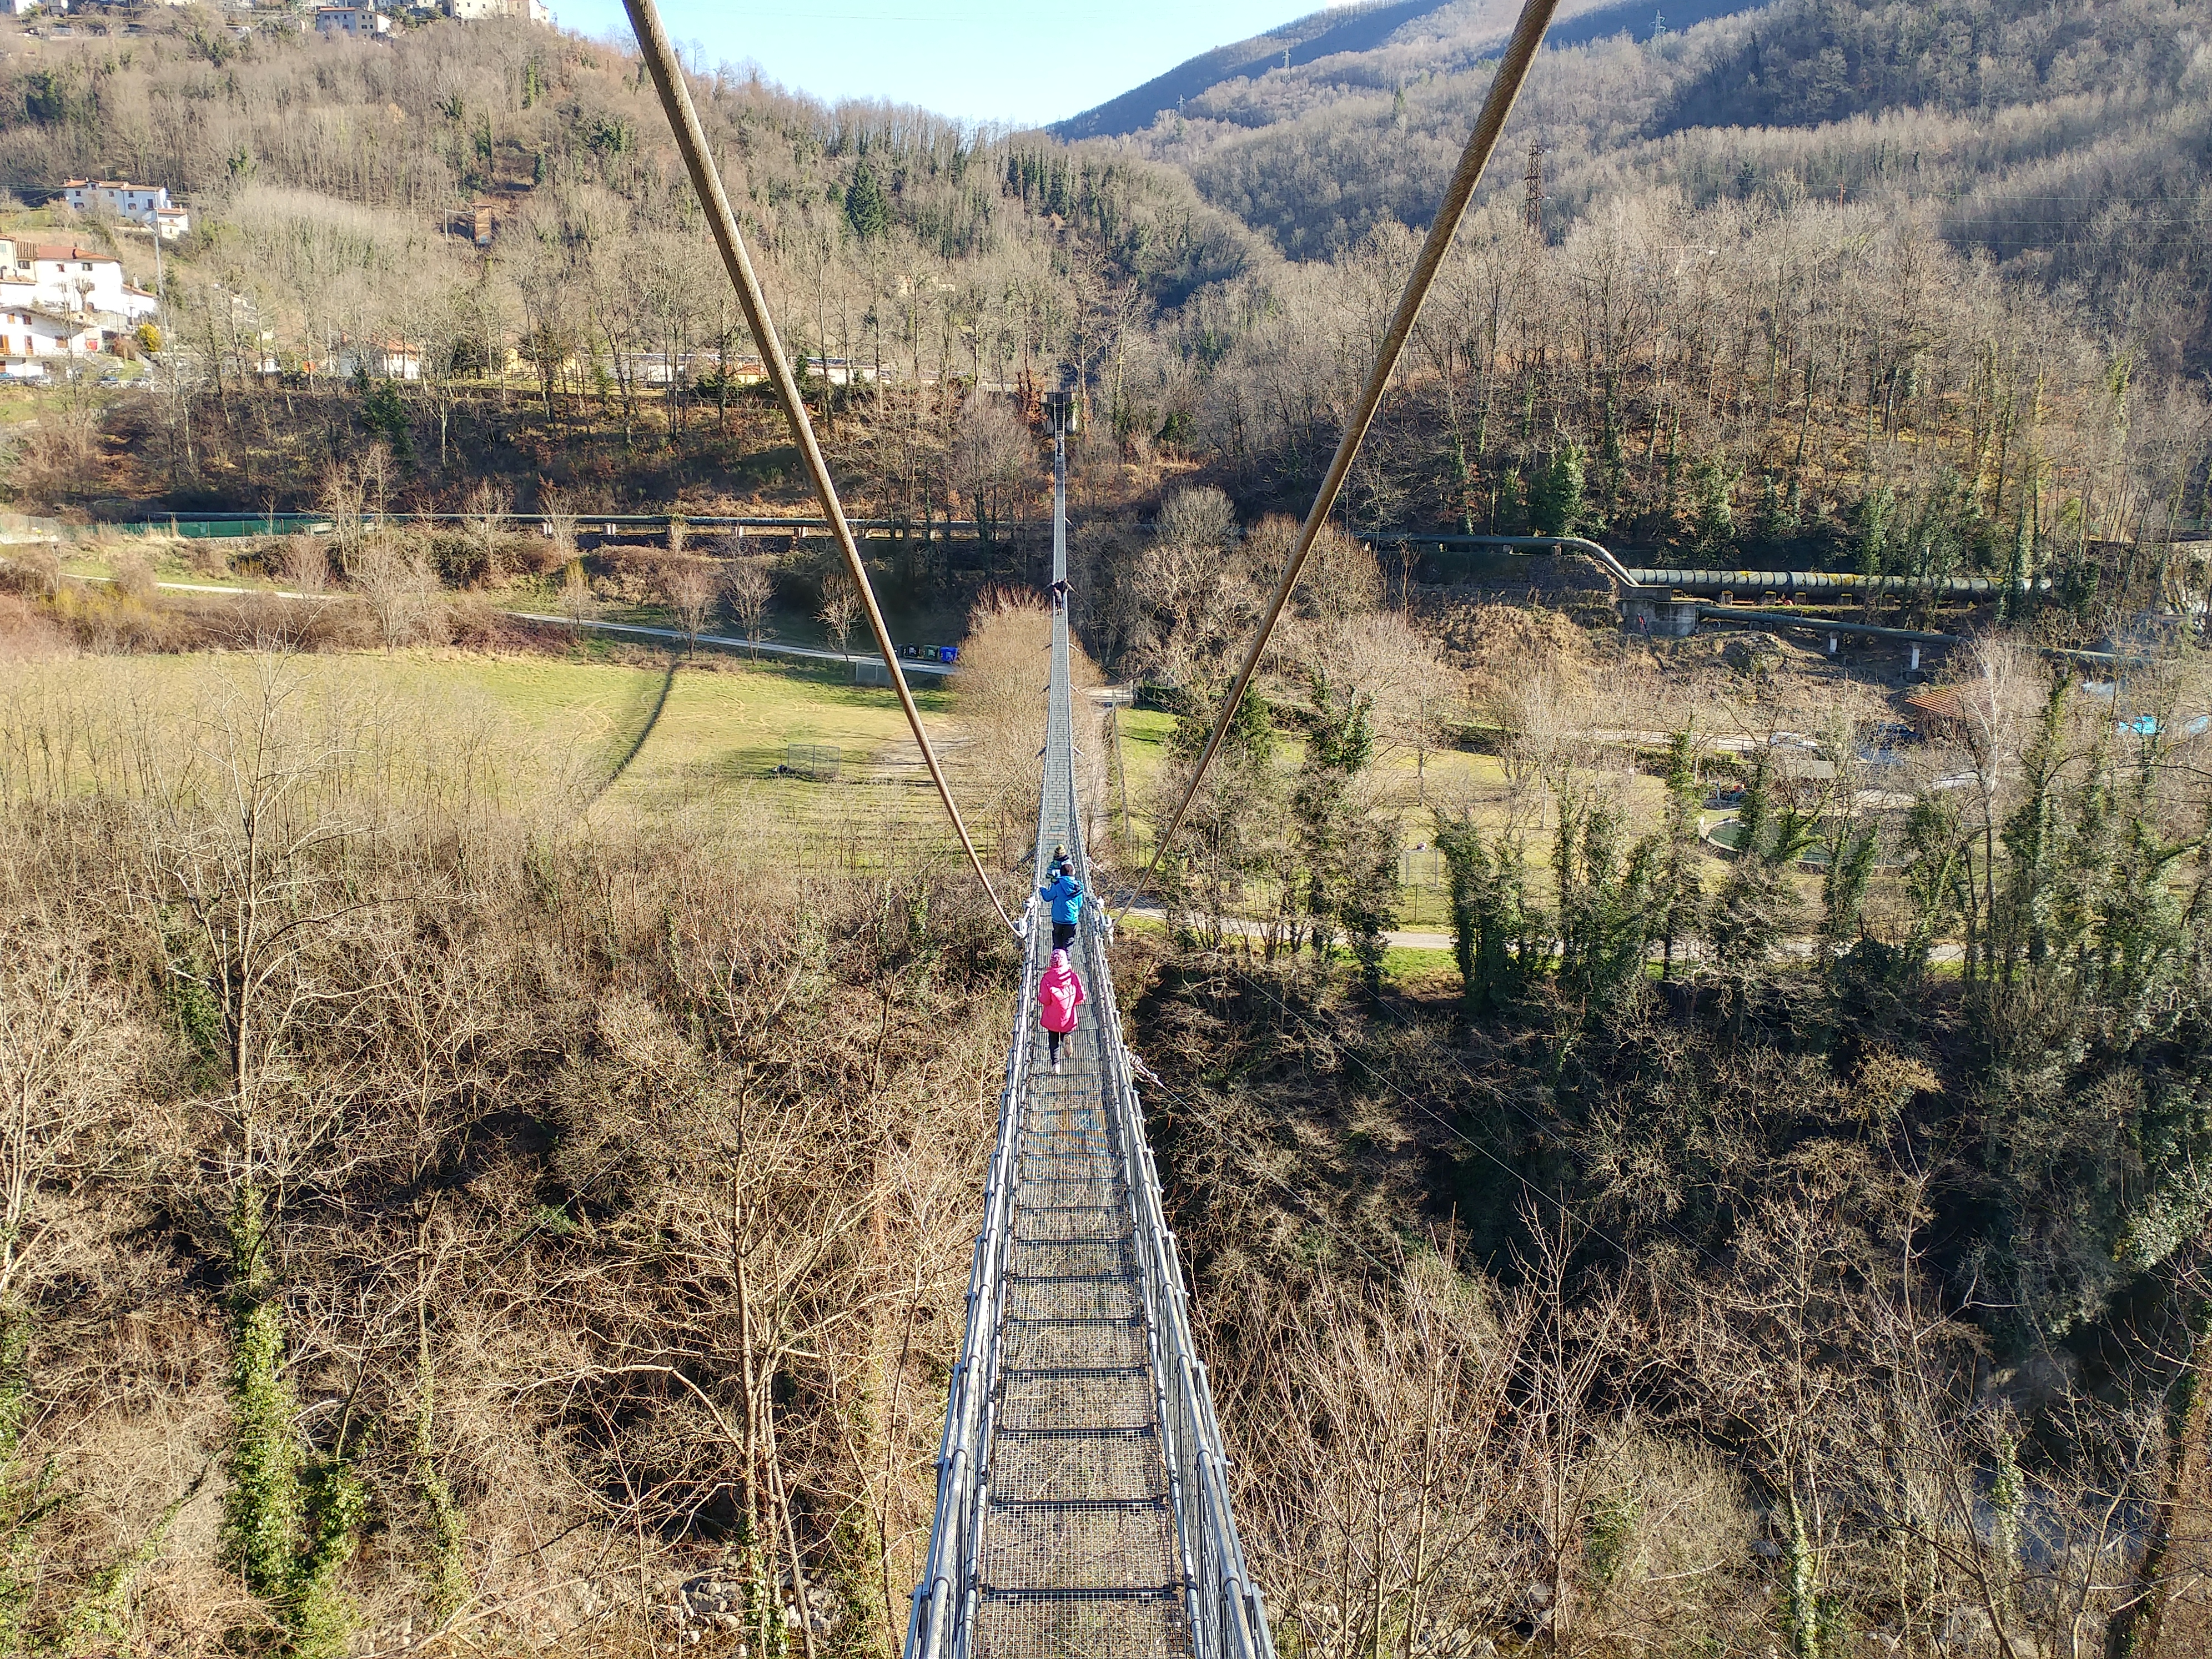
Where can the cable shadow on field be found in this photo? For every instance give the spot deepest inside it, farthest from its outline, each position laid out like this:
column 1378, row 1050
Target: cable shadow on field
column 660, row 703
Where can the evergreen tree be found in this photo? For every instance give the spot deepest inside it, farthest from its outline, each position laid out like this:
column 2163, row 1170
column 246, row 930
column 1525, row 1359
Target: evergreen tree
column 867, row 209
column 1780, row 512
column 1488, row 917
column 1351, row 856
column 1507, row 513
column 1875, row 513
column 1249, row 742
column 1757, row 907
column 1676, row 888
column 384, row 414
column 1604, row 901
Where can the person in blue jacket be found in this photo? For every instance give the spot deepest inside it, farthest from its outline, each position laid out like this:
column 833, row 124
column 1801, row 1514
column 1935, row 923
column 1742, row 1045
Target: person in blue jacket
column 1066, row 897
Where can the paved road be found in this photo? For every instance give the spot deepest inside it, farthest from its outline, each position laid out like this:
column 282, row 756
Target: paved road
column 1397, row 941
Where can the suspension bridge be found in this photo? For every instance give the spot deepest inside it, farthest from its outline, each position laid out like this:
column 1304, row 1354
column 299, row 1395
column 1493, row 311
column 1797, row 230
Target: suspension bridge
column 1082, row 1493
column 1083, row 1499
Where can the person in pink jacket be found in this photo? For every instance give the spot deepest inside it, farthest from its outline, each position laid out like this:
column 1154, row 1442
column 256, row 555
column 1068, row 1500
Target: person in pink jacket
column 1059, row 993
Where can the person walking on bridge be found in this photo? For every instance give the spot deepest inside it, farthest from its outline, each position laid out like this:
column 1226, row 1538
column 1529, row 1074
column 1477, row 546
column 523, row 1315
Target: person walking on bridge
column 1064, row 895
column 1059, row 993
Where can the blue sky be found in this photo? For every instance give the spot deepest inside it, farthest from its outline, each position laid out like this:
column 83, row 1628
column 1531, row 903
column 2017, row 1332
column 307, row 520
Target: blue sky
column 977, row 60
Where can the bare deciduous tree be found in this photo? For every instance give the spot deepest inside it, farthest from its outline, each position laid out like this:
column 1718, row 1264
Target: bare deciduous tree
column 396, row 581
column 689, row 587
column 841, row 609
column 306, row 564
column 485, row 513
column 747, row 589
column 577, row 603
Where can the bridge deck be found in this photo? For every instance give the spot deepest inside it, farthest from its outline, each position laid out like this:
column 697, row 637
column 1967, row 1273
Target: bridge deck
column 1079, row 1552
column 1081, row 1501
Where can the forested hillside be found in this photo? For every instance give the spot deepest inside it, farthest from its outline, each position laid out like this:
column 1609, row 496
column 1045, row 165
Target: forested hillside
column 330, row 177
column 2066, row 142
column 1791, row 343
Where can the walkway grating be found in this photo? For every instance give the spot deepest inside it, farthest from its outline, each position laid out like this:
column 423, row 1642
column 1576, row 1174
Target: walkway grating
column 1079, row 1551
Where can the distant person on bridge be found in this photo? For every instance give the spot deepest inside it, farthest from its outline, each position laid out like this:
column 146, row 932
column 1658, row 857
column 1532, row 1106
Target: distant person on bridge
column 1064, row 895
column 1059, row 993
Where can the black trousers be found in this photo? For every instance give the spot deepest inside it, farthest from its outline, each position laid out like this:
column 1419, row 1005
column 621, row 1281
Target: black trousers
column 1052, row 1041
column 1063, row 935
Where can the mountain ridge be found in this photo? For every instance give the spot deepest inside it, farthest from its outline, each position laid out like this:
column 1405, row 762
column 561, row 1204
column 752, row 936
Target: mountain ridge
column 1317, row 34
column 1348, row 32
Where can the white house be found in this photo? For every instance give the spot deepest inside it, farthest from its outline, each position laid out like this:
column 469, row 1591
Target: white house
column 30, row 337
column 64, row 278
column 145, row 204
column 351, row 20
column 17, row 7
column 385, row 360
column 535, row 11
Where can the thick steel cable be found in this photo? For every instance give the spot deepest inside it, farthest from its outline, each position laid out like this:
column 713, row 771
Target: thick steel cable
column 691, row 139
column 1512, row 70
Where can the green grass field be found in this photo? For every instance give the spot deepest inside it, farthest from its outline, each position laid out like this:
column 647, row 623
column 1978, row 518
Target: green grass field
column 554, row 732
column 712, row 758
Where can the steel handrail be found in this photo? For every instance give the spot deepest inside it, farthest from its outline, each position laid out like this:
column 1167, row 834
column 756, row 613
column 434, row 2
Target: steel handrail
column 950, row 1568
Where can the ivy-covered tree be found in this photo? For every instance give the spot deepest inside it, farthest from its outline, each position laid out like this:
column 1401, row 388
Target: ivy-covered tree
column 1492, row 941
column 1350, row 854
column 1556, row 500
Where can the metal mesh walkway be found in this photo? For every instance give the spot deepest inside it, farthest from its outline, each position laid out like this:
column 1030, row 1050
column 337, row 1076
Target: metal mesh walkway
column 1079, row 1553
column 1082, row 1499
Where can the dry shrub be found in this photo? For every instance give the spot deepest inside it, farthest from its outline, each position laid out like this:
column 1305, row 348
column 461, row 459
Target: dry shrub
column 1004, row 664
column 27, row 632
column 474, row 623
column 133, row 571
column 103, row 619
column 263, row 621
column 397, row 581
column 55, row 460
column 633, row 575
column 1196, row 591
column 33, row 569
column 1437, row 1445
column 1341, row 578
column 306, row 566
column 531, row 553
column 1498, row 645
